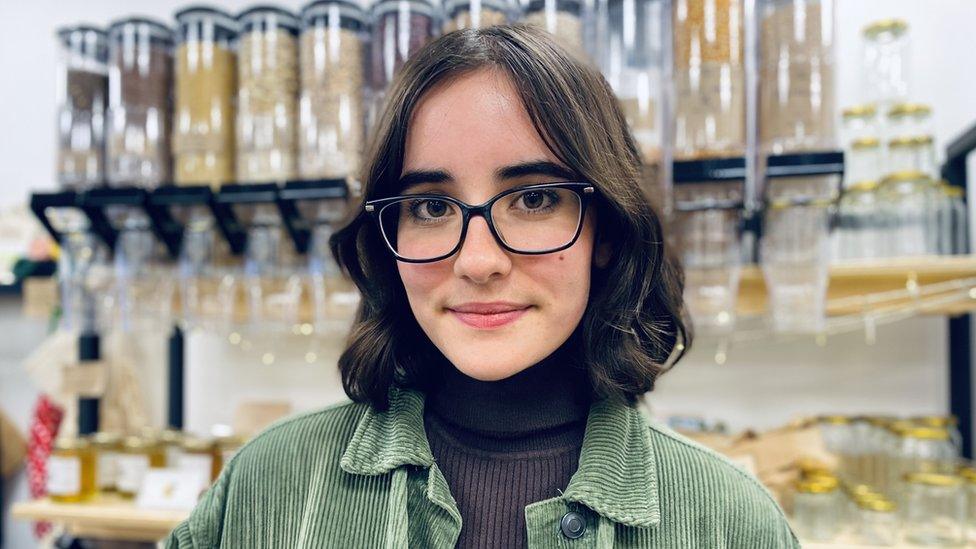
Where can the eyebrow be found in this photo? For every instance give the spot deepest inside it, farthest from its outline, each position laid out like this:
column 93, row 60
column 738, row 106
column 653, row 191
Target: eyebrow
column 533, row 167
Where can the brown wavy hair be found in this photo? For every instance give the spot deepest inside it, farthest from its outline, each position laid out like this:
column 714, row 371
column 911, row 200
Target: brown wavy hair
column 633, row 326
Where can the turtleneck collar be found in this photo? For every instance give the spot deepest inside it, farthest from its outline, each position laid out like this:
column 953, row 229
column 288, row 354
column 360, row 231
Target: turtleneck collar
column 549, row 395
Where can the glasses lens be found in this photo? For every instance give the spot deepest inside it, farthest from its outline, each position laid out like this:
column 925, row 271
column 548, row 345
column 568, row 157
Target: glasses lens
column 421, row 228
column 536, row 220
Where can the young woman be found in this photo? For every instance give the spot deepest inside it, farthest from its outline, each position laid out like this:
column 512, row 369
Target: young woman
column 518, row 298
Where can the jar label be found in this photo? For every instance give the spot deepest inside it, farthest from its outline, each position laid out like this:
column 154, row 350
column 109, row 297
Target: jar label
column 63, row 476
column 129, row 471
column 107, row 469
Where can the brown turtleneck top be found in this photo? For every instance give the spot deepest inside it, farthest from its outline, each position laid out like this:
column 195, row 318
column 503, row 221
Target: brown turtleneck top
column 504, row 444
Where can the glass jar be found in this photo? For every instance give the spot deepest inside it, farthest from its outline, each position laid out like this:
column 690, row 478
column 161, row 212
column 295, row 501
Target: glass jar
column 267, row 95
column 912, row 154
column 968, row 475
column 798, row 176
column 139, row 78
column 400, row 28
column 924, row 450
column 476, row 14
column 863, row 161
column 910, row 119
column 107, row 447
column 198, row 457
column 171, row 440
column 949, row 424
column 629, row 49
column 885, row 62
column 332, row 115
column 709, row 78
column 860, row 122
column 138, row 455
column 934, row 510
column 796, row 75
column 910, row 214
column 859, row 229
column 795, row 255
column 205, row 91
column 708, row 241
column 71, row 471
column 82, row 94
column 563, row 19
column 958, row 220
column 877, row 523
column 816, row 514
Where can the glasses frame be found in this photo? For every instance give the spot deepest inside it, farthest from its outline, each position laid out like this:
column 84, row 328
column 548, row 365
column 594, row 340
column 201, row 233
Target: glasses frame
column 584, row 190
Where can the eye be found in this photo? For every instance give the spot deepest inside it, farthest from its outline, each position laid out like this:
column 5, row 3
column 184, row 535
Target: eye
column 429, row 208
column 535, row 201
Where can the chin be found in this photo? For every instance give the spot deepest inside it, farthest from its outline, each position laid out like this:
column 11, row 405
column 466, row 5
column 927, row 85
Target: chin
column 491, row 371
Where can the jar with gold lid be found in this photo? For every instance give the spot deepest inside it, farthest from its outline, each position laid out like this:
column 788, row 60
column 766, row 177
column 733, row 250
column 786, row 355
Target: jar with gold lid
column 968, row 475
column 71, row 470
column 198, row 456
column 912, row 153
column 909, row 204
column 877, row 521
column 910, row 119
column 935, row 509
column 139, row 454
column 107, row 447
column 860, row 122
column 816, row 514
column 171, row 440
column 885, row 61
column 863, row 161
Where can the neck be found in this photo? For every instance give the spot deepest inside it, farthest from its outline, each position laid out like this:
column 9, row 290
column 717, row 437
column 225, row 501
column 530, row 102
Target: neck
column 550, row 394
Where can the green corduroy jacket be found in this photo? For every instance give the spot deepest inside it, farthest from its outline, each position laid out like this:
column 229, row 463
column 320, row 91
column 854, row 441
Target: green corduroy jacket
column 351, row 477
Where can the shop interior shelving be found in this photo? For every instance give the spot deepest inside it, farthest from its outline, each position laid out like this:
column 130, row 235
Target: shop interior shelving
column 106, row 518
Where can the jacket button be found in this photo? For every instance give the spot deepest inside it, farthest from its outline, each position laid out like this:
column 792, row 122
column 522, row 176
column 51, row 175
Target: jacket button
column 572, row 525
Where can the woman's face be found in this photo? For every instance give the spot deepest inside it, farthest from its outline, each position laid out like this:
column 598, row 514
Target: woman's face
column 463, row 136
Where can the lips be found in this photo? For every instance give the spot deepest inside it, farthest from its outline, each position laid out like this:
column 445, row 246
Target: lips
column 486, row 316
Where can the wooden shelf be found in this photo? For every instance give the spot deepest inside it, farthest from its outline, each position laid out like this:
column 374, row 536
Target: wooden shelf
column 854, row 288
column 105, row 517
column 858, row 287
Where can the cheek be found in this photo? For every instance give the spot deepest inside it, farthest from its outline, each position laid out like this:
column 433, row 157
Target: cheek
column 421, row 280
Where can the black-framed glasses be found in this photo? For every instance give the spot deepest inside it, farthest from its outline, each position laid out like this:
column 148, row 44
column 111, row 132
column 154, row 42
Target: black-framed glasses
column 530, row 219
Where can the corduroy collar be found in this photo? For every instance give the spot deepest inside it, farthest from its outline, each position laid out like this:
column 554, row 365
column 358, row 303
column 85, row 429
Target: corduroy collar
column 616, row 477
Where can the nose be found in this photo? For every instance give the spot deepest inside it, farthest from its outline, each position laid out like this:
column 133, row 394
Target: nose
column 481, row 258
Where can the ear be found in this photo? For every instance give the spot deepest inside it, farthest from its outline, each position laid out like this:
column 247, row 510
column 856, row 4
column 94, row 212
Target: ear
column 601, row 255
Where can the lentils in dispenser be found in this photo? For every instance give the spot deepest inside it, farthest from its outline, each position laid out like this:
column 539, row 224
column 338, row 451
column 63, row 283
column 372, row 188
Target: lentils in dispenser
column 796, row 95
column 400, row 28
column 139, row 114
column 81, row 98
column 205, row 90
column 332, row 112
column 709, row 78
column 267, row 96
column 563, row 19
column 475, row 14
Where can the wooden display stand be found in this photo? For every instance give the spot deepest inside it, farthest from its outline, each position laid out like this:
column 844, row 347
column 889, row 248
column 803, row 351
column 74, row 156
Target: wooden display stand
column 104, row 518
